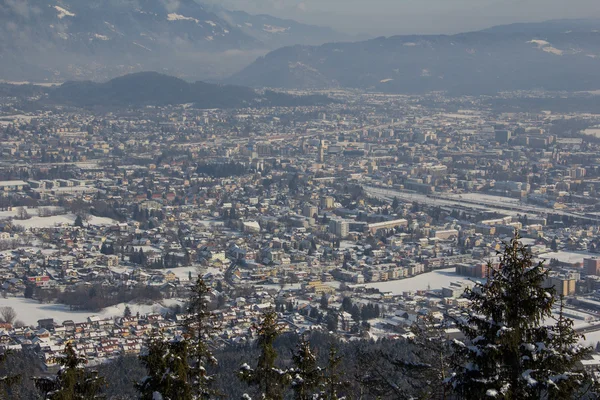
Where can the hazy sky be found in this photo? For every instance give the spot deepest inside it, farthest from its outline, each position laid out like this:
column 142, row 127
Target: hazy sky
column 388, row 17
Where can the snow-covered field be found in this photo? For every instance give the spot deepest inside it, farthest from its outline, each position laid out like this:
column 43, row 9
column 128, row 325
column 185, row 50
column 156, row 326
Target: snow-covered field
column 432, row 280
column 31, row 211
column 183, row 273
column 592, row 132
column 591, row 338
column 30, row 311
column 69, row 219
column 287, row 286
column 569, row 257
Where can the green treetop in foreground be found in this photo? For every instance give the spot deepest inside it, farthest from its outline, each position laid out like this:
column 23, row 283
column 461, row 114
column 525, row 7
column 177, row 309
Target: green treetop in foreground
column 511, row 351
column 271, row 381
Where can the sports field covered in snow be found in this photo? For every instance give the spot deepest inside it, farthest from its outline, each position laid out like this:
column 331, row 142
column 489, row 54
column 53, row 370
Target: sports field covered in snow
column 69, row 219
column 431, row 280
column 30, row 311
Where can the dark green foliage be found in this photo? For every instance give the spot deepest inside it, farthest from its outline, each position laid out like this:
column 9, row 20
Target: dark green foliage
column 332, row 321
column 167, row 369
column 23, row 365
column 554, row 245
column 333, row 383
column 7, row 382
column 509, row 350
column 73, row 381
column 29, row 290
column 96, row 297
column 121, row 375
column 307, row 377
column 419, row 374
column 433, row 353
column 201, row 326
column 324, row 301
column 78, row 221
column 107, row 249
column 270, row 381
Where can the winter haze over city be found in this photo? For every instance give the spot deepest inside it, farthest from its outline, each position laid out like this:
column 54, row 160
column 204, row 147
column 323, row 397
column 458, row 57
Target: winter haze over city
column 299, row 199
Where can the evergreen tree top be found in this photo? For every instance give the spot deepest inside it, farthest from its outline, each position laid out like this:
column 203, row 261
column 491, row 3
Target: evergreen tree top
column 510, row 349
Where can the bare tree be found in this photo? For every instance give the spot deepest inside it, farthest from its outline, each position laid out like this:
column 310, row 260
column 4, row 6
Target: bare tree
column 22, row 213
column 19, row 324
column 8, row 314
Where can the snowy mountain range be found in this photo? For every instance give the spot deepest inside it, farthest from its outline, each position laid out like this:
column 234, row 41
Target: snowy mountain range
column 555, row 55
column 98, row 39
column 61, row 40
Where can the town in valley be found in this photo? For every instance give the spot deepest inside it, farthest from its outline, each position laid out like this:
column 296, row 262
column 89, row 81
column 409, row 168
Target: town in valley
column 355, row 217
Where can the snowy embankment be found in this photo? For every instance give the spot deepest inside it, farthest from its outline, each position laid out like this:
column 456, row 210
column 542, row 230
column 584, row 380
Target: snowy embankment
column 30, row 311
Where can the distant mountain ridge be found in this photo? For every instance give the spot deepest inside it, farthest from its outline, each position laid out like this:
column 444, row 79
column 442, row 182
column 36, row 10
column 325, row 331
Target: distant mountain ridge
column 547, row 27
column 152, row 88
column 277, row 32
column 556, row 55
column 98, row 39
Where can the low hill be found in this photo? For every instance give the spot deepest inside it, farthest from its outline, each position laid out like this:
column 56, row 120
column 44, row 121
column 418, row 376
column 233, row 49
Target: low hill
column 151, row 88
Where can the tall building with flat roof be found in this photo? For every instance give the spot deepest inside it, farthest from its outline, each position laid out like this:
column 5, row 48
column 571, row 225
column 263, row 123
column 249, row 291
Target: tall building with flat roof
column 327, row 202
column 321, row 151
column 502, row 136
column 310, row 211
column 591, row 266
column 339, row 227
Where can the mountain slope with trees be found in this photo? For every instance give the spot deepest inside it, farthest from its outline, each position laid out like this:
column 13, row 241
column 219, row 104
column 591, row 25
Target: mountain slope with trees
column 519, row 57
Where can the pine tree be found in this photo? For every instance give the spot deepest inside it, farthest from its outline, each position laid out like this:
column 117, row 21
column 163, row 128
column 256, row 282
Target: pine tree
column 201, row 325
column 347, row 304
column 166, row 363
column 7, row 381
column 307, row 376
column 433, row 353
column 73, row 381
column 332, row 380
column 355, row 312
column 418, row 372
column 271, row 381
column 127, row 312
column 324, row 301
column 510, row 352
column 78, row 221
column 141, row 258
column 332, row 321
column 554, row 245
